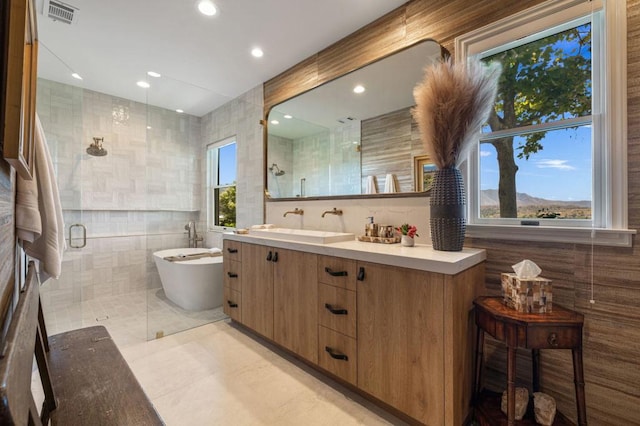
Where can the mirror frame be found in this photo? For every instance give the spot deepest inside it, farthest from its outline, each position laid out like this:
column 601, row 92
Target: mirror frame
column 444, row 53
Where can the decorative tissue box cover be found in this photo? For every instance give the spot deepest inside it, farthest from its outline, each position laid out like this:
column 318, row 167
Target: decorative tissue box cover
column 533, row 295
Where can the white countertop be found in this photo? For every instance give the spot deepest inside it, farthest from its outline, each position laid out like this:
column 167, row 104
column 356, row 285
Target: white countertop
column 422, row 257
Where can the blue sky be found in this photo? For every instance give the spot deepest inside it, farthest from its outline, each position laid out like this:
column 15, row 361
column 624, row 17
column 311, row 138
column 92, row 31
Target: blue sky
column 561, row 171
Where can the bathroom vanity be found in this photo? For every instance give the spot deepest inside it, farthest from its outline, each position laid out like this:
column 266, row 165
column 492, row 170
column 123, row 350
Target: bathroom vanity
column 392, row 322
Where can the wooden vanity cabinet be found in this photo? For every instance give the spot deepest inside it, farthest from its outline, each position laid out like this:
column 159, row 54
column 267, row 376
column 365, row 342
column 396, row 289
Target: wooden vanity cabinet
column 415, row 340
column 403, row 336
column 337, row 333
column 295, row 303
column 280, row 297
column 257, row 288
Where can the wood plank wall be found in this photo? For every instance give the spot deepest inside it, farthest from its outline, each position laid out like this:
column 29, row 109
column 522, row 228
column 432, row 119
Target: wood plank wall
column 612, row 324
column 389, row 143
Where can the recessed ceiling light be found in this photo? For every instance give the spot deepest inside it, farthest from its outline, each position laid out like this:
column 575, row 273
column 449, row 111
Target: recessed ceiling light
column 275, row 122
column 206, row 7
column 179, row 111
column 76, row 75
column 148, row 127
column 288, row 117
column 358, row 89
column 143, row 84
column 154, row 74
column 257, row 52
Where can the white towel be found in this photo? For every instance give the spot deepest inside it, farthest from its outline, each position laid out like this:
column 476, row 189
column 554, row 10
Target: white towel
column 372, row 185
column 390, row 183
column 42, row 236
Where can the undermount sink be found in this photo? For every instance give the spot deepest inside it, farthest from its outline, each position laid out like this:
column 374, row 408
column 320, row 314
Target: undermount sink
column 303, row 235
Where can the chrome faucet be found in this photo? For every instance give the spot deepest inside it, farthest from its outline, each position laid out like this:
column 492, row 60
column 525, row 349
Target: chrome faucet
column 295, row 211
column 334, row 211
column 192, row 234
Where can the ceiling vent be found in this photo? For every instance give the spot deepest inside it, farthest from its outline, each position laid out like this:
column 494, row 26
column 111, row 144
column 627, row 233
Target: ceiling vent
column 59, row 11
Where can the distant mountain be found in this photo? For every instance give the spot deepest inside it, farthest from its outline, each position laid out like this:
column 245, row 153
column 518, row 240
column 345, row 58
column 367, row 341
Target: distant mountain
column 489, row 197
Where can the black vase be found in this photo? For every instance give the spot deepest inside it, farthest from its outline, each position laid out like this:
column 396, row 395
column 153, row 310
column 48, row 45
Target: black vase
column 448, row 223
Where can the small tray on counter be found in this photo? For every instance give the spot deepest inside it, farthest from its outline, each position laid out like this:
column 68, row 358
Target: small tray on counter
column 380, row 240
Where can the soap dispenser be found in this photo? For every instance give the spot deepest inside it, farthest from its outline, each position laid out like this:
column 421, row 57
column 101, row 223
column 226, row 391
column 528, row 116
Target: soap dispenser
column 370, row 229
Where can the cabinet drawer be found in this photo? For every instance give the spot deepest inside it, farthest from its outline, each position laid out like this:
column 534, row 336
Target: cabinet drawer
column 232, row 274
column 337, row 271
column 337, row 309
column 232, row 250
column 550, row 337
column 231, row 304
column 337, row 354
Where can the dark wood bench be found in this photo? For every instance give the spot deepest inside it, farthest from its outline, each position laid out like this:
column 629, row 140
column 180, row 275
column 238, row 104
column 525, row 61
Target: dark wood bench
column 85, row 379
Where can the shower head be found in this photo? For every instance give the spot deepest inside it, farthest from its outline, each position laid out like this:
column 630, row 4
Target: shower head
column 276, row 170
column 96, row 148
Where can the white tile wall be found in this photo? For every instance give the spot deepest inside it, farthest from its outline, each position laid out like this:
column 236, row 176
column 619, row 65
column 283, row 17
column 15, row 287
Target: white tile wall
column 389, row 211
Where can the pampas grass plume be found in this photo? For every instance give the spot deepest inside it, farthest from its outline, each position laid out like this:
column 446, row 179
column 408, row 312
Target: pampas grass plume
column 452, row 103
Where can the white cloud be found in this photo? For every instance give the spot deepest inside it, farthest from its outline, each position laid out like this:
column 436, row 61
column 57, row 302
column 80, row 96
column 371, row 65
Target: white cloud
column 485, row 153
column 554, row 164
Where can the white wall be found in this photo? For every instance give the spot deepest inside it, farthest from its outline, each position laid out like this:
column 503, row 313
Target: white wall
column 388, row 211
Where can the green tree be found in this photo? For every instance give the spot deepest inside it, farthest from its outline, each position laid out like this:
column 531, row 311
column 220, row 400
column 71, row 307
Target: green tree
column 227, row 207
column 543, row 81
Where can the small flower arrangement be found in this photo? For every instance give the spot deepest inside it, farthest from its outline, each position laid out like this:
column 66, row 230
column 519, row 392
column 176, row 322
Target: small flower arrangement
column 408, row 230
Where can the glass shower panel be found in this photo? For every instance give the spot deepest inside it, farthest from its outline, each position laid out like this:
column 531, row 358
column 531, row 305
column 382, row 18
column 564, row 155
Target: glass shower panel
column 65, row 299
column 177, row 300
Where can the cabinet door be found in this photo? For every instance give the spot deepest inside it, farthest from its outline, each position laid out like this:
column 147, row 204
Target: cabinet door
column 257, row 288
column 400, row 339
column 296, row 302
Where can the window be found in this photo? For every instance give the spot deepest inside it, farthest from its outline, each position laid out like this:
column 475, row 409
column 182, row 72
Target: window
column 547, row 162
column 221, row 183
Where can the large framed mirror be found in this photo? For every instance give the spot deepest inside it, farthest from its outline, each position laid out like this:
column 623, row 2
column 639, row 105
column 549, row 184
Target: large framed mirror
column 353, row 135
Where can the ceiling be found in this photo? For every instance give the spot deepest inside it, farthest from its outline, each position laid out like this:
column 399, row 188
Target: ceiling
column 204, row 61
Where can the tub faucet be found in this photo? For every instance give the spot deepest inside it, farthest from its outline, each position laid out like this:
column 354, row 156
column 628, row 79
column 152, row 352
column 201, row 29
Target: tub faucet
column 192, row 234
column 334, row 211
column 295, row 211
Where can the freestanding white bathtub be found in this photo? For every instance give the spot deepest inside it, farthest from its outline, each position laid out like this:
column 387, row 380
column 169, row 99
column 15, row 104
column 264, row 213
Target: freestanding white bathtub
column 195, row 284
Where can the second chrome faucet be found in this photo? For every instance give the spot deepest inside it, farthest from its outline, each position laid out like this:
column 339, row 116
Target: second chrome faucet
column 334, row 211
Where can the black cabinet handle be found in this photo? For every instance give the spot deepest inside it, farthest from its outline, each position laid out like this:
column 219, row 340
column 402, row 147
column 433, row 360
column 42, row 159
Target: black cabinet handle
column 232, row 275
column 275, row 257
column 361, row 274
column 335, row 311
column 231, row 304
column 269, row 256
column 335, row 273
column 232, row 250
column 336, row 355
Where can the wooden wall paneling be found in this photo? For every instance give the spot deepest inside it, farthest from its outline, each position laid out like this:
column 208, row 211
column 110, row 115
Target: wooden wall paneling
column 372, row 42
column 386, row 148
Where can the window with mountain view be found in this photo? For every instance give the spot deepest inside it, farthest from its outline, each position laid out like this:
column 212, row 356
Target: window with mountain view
column 551, row 163
column 535, row 153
